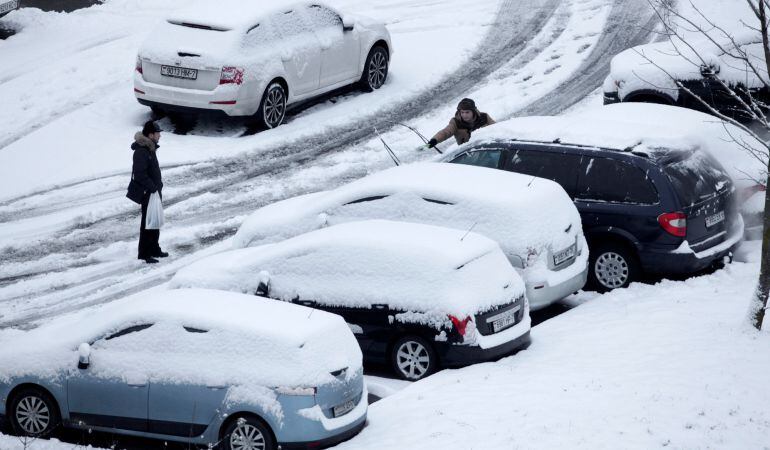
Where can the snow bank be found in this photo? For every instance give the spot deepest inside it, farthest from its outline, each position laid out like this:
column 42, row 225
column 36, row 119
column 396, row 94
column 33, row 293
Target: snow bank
column 666, row 365
column 411, row 267
column 640, row 126
column 526, row 216
column 241, row 332
column 19, row 443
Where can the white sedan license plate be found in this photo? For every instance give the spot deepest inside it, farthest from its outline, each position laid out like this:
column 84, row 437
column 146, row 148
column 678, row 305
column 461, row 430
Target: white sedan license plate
column 5, row 7
column 715, row 219
column 504, row 320
column 341, row 410
column 179, row 72
column 564, row 255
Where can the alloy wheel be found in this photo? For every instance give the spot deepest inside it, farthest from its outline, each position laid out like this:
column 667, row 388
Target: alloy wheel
column 274, row 107
column 378, row 69
column 413, row 360
column 611, row 270
column 247, row 437
column 33, row 415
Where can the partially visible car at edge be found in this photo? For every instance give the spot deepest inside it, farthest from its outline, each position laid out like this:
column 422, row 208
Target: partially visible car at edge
column 419, row 297
column 194, row 366
column 256, row 59
column 7, row 6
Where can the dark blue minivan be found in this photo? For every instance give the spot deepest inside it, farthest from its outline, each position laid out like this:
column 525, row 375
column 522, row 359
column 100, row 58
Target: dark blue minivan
column 665, row 212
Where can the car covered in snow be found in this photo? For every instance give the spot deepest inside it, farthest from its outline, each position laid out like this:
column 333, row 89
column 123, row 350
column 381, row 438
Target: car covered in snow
column 646, row 180
column 534, row 221
column 189, row 365
column 418, row 296
column 653, row 73
column 257, row 58
column 7, row 6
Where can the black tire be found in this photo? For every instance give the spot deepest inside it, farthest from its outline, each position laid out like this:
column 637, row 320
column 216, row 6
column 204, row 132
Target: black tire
column 183, row 122
column 272, row 108
column 157, row 112
column 244, row 428
column 413, row 358
column 33, row 412
column 375, row 69
column 612, row 266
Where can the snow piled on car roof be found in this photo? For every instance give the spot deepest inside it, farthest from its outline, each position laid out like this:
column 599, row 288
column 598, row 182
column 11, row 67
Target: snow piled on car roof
column 525, row 215
column 196, row 336
column 232, row 14
column 410, row 267
column 641, row 127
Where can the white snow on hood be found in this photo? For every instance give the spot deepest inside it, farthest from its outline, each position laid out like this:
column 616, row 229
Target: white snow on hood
column 411, row 267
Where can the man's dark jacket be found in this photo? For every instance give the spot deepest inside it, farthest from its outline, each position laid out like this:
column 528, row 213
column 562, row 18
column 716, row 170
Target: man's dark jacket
column 145, row 172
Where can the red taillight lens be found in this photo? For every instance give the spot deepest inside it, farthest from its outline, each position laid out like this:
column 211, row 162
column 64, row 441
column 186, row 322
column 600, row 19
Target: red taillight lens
column 674, row 223
column 460, row 325
column 231, row 75
column 139, row 65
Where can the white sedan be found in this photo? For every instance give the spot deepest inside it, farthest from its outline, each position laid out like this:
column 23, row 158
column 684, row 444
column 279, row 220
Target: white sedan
column 253, row 59
column 533, row 220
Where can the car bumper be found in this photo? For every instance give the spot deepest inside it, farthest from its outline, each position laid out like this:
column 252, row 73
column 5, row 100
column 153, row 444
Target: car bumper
column 610, row 98
column 193, row 100
column 324, row 443
column 487, row 348
column 685, row 262
column 542, row 297
column 318, row 430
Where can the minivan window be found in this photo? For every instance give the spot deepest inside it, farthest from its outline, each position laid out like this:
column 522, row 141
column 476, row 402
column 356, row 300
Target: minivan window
column 482, row 158
column 695, row 175
column 562, row 168
column 610, row 180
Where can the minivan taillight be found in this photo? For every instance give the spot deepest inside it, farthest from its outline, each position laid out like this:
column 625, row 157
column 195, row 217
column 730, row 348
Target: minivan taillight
column 675, row 223
column 139, row 65
column 231, row 75
column 460, row 325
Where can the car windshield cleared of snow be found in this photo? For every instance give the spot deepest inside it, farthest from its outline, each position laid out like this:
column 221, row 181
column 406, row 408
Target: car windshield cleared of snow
column 696, row 175
column 482, row 158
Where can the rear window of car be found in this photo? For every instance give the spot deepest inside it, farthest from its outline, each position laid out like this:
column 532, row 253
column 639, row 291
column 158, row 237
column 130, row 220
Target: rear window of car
column 695, row 175
column 610, row 180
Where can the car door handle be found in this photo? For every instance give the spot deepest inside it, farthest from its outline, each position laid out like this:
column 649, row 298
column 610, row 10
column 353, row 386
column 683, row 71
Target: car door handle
column 216, row 387
column 137, row 384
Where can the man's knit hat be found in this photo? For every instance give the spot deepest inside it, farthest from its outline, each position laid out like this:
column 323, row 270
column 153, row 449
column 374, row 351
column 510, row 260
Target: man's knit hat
column 466, row 104
column 150, row 127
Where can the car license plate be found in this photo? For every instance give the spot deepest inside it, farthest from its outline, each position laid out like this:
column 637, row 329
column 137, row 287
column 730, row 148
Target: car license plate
column 564, row 255
column 179, row 72
column 715, row 219
column 341, row 410
column 503, row 320
column 5, row 7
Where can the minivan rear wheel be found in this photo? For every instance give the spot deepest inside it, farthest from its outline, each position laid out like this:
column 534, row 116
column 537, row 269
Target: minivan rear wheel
column 413, row 358
column 247, row 433
column 613, row 266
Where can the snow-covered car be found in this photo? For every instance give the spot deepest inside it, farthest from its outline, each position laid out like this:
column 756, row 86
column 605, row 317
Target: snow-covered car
column 256, row 58
column 651, row 73
column 417, row 296
column 646, row 179
column 7, row 6
column 193, row 366
column 534, row 221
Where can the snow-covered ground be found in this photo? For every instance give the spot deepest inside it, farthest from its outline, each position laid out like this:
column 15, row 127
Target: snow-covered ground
column 665, row 365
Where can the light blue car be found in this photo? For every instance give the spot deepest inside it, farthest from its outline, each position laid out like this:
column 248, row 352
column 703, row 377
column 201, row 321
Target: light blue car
column 193, row 365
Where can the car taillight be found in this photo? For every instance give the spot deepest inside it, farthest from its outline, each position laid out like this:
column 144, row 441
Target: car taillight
column 139, row 65
column 675, row 223
column 460, row 325
column 231, row 75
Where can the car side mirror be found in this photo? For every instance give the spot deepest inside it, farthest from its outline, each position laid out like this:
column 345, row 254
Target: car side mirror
column 348, row 24
column 84, row 356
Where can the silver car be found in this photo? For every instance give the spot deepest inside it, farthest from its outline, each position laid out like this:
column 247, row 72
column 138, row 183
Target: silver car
column 252, row 59
column 7, row 6
column 194, row 366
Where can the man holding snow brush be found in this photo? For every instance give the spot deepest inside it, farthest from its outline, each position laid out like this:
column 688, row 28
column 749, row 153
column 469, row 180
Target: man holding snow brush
column 467, row 119
column 146, row 181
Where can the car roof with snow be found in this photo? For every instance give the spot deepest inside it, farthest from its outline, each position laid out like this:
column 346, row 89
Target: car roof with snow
column 511, row 208
column 409, row 266
column 234, row 14
column 224, row 329
column 645, row 129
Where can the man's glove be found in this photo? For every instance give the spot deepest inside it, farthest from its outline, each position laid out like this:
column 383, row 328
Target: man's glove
column 432, row 143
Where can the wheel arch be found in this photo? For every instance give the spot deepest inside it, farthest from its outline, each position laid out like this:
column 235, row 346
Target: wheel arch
column 406, row 332
column 649, row 96
column 598, row 236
